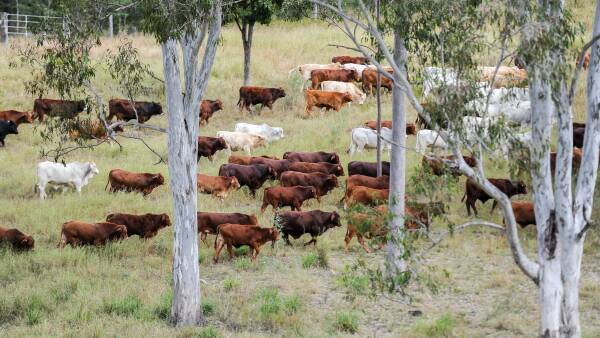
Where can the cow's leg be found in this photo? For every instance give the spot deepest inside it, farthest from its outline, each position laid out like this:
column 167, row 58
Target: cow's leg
column 493, row 206
column 270, row 105
column 42, row 189
column 203, row 236
column 348, row 239
column 247, row 150
column 218, row 247
column 77, row 188
column 473, row 206
column 255, row 253
column 286, row 238
column 313, row 241
column 230, row 250
column 361, row 241
column 468, row 206
column 263, row 207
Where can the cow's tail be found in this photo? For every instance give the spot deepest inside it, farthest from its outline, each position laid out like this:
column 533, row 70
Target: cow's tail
column 217, row 235
column 63, row 240
column 107, row 182
column 464, row 196
column 292, row 70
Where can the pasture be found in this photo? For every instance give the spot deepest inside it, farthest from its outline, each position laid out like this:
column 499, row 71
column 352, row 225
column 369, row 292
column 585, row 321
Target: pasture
column 123, row 289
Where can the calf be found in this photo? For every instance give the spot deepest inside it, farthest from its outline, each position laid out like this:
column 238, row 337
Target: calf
column 369, row 81
column 322, row 182
column 57, row 108
column 439, row 166
column 362, row 138
column 75, row 173
column 146, row 226
column 381, row 182
column 306, row 69
column 429, row 138
column 298, row 223
column 246, row 160
column 218, row 186
column 524, row 212
column 264, row 130
column 236, row 235
column 250, row 96
column 91, row 129
column 366, row 196
column 18, row 240
column 242, row 141
column 341, row 75
column 208, row 108
column 17, row 117
column 368, row 168
column 287, row 196
column 410, row 127
column 7, row 128
column 575, row 163
column 343, row 59
column 124, row 110
column 327, row 100
column 344, row 87
column 474, row 193
column 253, row 176
column 123, row 180
column 314, row 157
column 209, row 221
column 208, row 146
column 320, row 167
column 77, row 233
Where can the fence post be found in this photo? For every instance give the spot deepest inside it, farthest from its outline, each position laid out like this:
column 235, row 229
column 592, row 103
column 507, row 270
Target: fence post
column 26, row 34
column 4, row 27
column 110, row 26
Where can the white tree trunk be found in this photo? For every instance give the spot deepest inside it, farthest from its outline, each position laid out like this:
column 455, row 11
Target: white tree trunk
column 395, row 246
column 183, row 133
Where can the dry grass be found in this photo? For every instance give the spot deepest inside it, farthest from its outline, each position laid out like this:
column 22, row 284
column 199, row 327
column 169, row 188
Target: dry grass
column 123, row 289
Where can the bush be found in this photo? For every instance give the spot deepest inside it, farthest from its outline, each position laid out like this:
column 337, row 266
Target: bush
column 208, row 307
column 163, row 309
column 292, row 305
column 128, row 306
column 243, row 263
column 270, row 303
column 34, row 311
column 441, row 327
column 309, row 260
column 346, row 321
column 318, row 259
column 229, row 284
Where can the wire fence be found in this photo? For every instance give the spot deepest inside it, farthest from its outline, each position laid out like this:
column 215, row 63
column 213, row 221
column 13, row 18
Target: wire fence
column 24, row 25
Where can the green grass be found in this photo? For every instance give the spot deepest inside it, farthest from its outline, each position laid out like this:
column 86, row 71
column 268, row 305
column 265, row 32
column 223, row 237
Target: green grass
column 124, row 288
column 441, row 327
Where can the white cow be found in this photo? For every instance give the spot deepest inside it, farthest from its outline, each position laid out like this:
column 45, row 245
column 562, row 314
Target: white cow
column 270, row 133
column 242, row 141
column 514, row 111
column 345, row 87
column 76, row 173
column 426, row 138
column 358, row 68
column 434, row 77
column 367, row 138
column 306, row 69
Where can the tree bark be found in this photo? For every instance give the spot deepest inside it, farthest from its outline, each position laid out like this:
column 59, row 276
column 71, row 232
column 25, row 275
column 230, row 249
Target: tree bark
column 395, row 245
column 247, row 30
column 182, row 144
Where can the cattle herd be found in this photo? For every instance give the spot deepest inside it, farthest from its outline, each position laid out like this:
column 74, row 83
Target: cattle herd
column 301, row 175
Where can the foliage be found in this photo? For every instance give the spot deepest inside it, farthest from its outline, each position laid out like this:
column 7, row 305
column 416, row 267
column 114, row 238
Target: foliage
column 251, row 12
column 130, row 305
column 441, row 327
column 346, row 321
column 172, row 19
column 316, row 259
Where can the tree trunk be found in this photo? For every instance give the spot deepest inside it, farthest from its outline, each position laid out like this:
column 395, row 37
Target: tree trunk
column 395, row 246
column 247, row 33
column 182, row 145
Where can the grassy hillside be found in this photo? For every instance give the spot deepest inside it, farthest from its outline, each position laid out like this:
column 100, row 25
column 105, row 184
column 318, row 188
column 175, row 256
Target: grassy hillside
column 123, row 289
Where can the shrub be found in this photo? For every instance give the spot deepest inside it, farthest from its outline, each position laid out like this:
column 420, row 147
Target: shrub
column 441, row 327
column 270, row 305
column 34, row 311
column 243, row 263
column 318, row 259
column 346, row 321
column 128, row 306
column 229, row 284
column 309, row 260
column 163, row 309
column 292, row 304
column 208, row 306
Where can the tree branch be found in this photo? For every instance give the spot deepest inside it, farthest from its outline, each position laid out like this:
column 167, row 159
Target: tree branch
column 575, row 78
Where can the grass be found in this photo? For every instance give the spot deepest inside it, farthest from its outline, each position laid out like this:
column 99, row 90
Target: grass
column 124, row 288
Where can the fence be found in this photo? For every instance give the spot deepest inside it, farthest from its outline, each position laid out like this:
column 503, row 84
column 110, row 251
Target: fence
column 21, row 24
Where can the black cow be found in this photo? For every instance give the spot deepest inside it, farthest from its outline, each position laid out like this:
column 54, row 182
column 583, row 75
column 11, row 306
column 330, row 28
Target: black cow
column 253, row 176
column 124, row 110
column 6, row 128
column 298, row 223
column 368, row 168
column 474, row 193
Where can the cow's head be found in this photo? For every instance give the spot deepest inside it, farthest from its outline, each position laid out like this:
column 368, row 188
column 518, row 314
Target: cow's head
column 155, row 109
column 93, row 169
column 331, row 181
column 80, row 106
column 346, row 97
column 119, row 232
column 165, row 220
column 273, row 235
column 26, row 243
column 158, row 179
column 277, row 132
column 271, row 173
column 334, row 220
column 277, row 92
column 26, row 117
column 339, row 170
column 315, row 194
column 11, row 127
column 234, row 183
column 217, row 105
column 221, row 144
column 334, row 158
column 520, row 187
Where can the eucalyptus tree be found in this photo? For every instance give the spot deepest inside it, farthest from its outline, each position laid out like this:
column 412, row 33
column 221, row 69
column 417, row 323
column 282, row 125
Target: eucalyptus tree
column 546, row 31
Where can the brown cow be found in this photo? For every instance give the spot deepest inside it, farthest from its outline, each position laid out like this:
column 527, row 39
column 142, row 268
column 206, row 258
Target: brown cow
column 314, row 157
column 247, row 160
column 322, row 182
column 91, row 129
column 287, row 196
column 17, row 117
column 319, row 167
column 123, row 180
column 524, row 212
column 208, row 146
column 586, row 60
column 369, row 80
column 57, row 108
column 77, row 233
column 327, row 100
column 146, row 226
column 381, row 182
column 576, row 162
column 342, row 75
column 343, row 59
column 278, row 166
column 366, row 196
column 578, row 136
column 209, row 221
column 441, row 165
column 208, row 108
column 253, row 176
column 250, row 96
column 236, row 235
column 410, row 127
column 18, row 240
column 474, row 193
column 368, row 168
column 124, row 110
column 218, row 186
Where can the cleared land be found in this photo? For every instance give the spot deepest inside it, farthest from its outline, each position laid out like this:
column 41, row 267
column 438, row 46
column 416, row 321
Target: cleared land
column 123, row 289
